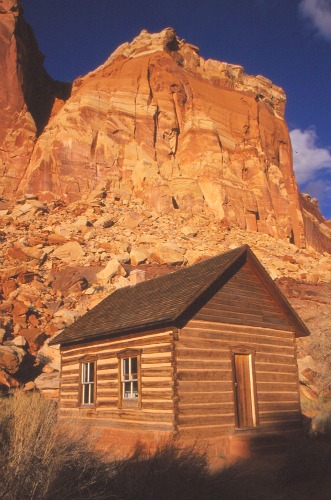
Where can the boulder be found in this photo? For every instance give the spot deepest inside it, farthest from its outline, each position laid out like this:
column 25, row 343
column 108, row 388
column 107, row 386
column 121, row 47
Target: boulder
column 168, row 253
column 193, row 256
column 50, row 356
column 10, row 359
column 112, row 269
column 66, row 315
column 32, row 252
column 188, row 231
column 138, row 256
column 20, row 210
column 29, row 386
column 69, row 252
column 56, row 239
column 48, row 384
column 34, row 337
column 10, row 272
column 19, row 341
column 105, row 221
column 132, row 220
column 8, row 381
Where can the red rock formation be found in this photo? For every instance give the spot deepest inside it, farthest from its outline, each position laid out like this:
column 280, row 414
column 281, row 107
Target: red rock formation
column 161, row 123
column 317, row 229
column 27, row 94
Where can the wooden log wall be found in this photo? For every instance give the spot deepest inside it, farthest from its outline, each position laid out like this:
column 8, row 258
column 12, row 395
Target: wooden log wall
column 245, row 300
column 242, row 313
column 156, row 412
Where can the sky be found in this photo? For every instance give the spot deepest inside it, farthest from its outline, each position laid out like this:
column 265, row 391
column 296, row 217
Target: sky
column 287, row 41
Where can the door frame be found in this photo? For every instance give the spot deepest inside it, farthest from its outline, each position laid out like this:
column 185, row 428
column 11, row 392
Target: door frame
column 250, row 352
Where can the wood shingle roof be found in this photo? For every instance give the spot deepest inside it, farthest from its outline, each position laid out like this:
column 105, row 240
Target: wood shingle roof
column 158, row 302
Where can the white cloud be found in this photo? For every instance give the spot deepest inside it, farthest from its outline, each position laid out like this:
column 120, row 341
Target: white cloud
column 308, row 158
column 319, row 14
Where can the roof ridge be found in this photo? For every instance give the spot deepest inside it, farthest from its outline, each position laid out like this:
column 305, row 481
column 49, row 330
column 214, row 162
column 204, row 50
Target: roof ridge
column 196, row 264
column 155, row 301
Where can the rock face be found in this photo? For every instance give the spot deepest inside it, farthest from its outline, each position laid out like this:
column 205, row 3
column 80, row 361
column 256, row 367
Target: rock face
column 317, row 229
column 159, row 121
column 156, row 121
column 27, row 95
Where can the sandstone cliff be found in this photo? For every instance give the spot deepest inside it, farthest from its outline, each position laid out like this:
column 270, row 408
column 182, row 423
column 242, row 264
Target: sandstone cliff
column 27, row 95
column 158, row 122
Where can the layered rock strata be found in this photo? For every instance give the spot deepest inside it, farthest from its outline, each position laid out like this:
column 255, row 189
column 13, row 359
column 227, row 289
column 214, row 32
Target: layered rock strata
column 157, row 121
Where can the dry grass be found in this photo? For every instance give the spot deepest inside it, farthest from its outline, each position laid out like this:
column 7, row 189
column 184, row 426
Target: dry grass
column 41, row 459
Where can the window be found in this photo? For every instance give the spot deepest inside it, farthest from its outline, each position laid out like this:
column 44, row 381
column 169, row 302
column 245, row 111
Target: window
column 129, row 378
column 88, row 383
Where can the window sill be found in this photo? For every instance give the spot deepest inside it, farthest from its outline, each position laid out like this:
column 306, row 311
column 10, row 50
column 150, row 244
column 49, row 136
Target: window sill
column 87, row 407
column 130, row 405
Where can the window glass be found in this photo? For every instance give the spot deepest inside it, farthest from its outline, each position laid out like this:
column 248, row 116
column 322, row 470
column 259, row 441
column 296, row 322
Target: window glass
column 134, row 366
column 91, row 374
column 135, row 389
column 129, row 379
column 88, row 383
column 126, row 368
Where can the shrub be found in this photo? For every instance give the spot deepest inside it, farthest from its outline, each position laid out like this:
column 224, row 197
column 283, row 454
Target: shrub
column 42, row 459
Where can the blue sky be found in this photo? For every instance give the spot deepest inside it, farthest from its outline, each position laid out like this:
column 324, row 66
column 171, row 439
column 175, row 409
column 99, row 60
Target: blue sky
column 288, row 41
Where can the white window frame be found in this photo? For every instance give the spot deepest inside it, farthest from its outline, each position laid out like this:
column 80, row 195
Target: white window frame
column 88, row 380
column 129, row 399
column 130, row 379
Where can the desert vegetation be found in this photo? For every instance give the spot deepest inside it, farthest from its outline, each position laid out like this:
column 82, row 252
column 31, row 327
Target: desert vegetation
column 43, row 459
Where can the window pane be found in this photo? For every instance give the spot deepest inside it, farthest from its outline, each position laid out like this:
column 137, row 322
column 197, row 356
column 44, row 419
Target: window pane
column 91, row 393
column 135, row 389
column 84, row 373
column 85, row 394
column 134, row 367
column 127, row 390
column 126, row 367
column 91, row 372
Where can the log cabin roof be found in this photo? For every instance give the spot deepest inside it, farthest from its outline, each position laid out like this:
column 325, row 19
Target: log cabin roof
column 163, row 301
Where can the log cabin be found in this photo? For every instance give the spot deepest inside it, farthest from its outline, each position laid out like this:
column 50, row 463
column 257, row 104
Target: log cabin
column 205, row 354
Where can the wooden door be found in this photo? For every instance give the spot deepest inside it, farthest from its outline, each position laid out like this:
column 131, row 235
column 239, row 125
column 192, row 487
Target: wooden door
column 244, row 390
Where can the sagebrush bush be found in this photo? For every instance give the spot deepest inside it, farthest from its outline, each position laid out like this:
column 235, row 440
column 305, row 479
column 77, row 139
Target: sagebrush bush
column 43, row 459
